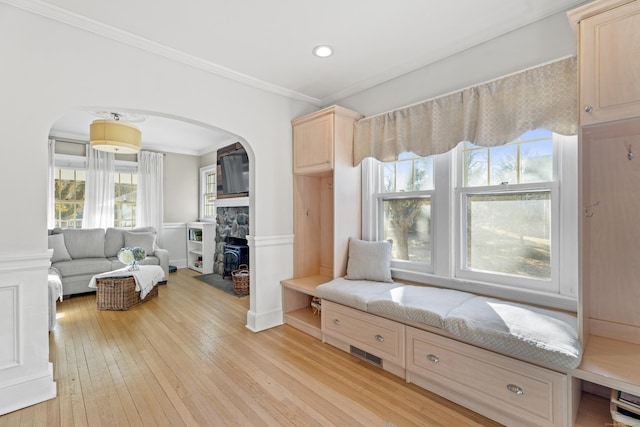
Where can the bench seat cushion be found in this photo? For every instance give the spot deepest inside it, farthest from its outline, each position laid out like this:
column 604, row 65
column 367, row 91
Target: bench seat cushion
column 517, row 330
column 353, row 293
column 426, row 305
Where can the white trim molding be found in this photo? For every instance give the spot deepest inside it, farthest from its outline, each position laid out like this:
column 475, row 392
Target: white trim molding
column 81, row 22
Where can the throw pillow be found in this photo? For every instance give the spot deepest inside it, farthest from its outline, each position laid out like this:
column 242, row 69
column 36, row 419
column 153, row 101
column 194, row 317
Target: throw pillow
column 369, row 261
column 145, row 241
column 60, row 253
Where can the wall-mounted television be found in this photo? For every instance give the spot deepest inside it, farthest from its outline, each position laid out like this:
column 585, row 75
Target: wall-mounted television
column 234, row 171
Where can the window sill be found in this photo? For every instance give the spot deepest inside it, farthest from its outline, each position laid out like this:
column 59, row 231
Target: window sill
column 527, row 296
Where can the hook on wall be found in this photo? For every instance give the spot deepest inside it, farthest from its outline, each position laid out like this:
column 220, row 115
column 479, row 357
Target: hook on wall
column 629, row 153
column 588, row 211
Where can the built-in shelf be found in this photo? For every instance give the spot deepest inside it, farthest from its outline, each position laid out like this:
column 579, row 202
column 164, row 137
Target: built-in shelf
column 296, row 300
column 594, row 412
column 200, row 246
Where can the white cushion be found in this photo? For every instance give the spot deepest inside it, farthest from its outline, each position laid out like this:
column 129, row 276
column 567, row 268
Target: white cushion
column 352, row 293
column 517, row 330
column 145, row 241
column 422, row 304
column 369, row 261
column 60, row 253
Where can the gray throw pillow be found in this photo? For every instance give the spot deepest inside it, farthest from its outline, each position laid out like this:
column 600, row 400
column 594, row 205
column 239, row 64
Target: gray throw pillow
column 60, row 253
column 145, row 241
column 369, row 261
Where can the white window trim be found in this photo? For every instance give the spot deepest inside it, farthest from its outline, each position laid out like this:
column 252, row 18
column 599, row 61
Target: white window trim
column 445, row 229
column 204, row 171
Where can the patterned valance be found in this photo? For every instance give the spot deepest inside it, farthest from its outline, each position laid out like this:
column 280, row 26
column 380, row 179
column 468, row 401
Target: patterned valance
column 490, row 114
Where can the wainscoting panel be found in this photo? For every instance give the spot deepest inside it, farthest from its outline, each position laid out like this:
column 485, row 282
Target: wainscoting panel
column 9, row 351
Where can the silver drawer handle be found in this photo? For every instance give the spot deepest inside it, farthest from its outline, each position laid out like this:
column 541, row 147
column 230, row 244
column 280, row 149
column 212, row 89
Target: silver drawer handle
column 515, row 389
column 588, row 109
column 432, row 358
column 336, row 321
column 380, row 338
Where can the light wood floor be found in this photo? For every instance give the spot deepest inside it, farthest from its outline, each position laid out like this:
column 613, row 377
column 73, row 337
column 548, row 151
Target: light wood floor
column 186, row 358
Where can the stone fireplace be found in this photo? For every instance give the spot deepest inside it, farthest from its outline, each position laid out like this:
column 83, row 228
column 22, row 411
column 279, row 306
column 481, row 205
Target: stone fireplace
column 231, row 222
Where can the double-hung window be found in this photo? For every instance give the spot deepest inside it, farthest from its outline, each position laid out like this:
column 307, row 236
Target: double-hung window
column 508, row 212
column 492, row 220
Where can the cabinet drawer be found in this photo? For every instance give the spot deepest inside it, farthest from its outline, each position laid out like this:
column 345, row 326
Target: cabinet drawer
column 525, row 392
column 381, row 337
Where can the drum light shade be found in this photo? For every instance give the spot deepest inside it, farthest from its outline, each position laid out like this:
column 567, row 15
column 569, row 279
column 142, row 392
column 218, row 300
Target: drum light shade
column 115, row 136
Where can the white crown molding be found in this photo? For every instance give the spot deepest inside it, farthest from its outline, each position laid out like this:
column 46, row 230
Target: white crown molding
column 78, row 21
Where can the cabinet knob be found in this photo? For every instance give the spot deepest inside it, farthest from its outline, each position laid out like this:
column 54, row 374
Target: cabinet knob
column 336, row 321
column 379, row 338
column 588, row 109
column 515, row 389
column 433, row 358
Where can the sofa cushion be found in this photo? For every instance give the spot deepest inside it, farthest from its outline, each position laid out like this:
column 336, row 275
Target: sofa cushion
column 369, row 261
column 84, row 242
column 353, row 293
column 517, row 330
column 114, row 239
column 60, row 253
column 422, row 304
column 78, row 267
column 145, row 241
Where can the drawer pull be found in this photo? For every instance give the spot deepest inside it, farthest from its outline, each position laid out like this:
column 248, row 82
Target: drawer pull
column 336, row 321
column 379, row 338
column 588, row 109
column 433, row 358
column 515, row 389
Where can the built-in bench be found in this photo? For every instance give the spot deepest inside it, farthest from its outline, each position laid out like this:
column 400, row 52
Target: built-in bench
column 545, row 337
column 505, row 360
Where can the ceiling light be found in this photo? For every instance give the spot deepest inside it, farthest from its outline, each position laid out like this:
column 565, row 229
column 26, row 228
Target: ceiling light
column 115, row 136
column 323, row 51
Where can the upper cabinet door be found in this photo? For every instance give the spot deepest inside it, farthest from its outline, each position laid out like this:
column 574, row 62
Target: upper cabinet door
column 313, row 145
column 610, row 64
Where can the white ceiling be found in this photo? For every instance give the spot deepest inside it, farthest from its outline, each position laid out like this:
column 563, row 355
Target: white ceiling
column 268, row 44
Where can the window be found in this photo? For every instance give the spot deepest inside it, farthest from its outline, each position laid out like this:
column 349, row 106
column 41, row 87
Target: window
column 69, row 194
column 480, row 219
column 126, row 185
column 70, row 179
column 208, row 191
column 405, row 205
column 507, row 211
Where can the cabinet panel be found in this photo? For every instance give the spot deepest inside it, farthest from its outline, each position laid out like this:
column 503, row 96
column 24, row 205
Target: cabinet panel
column 382, row 337
column 313, row 145
column 611, row 183
column 502, row 388
column 610, row 64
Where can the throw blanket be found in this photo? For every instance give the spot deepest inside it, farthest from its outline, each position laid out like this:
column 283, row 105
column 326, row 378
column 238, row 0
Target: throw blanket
column 146, row 277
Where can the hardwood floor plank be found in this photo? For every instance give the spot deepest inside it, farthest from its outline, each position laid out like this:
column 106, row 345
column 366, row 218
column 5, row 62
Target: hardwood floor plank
column 186, row 358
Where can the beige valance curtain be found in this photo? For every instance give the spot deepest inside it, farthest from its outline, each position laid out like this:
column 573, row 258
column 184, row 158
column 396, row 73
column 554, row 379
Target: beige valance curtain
column 490, row 114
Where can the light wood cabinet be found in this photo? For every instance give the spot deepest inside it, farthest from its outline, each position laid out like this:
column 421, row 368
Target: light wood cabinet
column 609, row 58
column 326, row 208
column 504, row 389
column 346, row 328
column 609, row 140
column 201, row 240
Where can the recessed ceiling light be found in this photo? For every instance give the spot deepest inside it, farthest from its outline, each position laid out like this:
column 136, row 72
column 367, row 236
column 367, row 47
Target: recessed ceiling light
column 323, row 51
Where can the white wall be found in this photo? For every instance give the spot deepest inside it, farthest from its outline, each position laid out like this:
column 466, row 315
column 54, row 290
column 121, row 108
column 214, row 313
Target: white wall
column 540, row 42
column 181, row 183
column 49, row 68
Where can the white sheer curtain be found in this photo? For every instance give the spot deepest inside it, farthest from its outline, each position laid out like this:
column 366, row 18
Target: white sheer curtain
column 149, row 202
column 490, row 114
column 51, row 191
column 99, row 190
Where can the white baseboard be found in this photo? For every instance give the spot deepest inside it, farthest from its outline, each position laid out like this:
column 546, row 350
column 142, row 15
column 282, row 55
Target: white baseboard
column 27, row 392
column 263, row 321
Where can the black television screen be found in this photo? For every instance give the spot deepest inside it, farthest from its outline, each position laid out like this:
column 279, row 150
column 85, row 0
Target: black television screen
column 235, row 172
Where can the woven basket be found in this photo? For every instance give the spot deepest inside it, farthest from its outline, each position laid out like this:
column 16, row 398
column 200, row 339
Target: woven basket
column 241, row 280
column 119, row 293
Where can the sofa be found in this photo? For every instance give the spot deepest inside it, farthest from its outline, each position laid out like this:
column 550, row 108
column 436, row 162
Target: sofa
column 79, row 254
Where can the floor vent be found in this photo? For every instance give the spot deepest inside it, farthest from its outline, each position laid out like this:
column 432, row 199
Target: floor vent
column 366, row 356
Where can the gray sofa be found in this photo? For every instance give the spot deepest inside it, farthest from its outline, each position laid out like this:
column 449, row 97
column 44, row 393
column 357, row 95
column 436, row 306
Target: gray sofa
column 79, row 254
